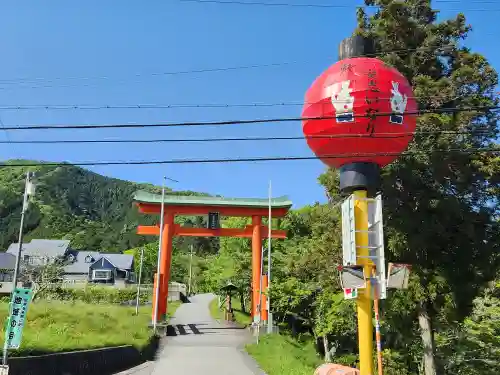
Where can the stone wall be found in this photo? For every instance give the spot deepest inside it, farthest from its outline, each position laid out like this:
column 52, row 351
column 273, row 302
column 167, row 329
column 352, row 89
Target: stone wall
column 104, row 361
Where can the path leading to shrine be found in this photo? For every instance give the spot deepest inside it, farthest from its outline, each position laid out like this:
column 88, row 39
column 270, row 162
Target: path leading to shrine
column 197, row 344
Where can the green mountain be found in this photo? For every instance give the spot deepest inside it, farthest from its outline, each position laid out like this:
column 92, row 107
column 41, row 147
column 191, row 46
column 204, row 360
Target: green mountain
column 93, row 211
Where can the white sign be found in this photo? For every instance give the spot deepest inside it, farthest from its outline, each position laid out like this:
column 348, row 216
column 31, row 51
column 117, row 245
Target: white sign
column 348, row 233
column 350, row 248
column 350, row 293
column 399, row 275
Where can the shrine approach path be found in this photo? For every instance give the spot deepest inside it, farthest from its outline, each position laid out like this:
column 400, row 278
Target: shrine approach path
column 197, row 344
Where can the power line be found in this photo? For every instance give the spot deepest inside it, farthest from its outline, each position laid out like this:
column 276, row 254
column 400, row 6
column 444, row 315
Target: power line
column 253, row 159
column 240, row 122
column 172, row 73
column 66, row 107
column 20, row 81
column 243, row 139
column 326, row 6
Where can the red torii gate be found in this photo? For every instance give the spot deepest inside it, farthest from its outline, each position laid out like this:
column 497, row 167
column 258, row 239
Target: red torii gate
column 196, row 206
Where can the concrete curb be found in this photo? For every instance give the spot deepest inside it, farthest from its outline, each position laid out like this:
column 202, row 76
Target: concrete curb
column 138, row 370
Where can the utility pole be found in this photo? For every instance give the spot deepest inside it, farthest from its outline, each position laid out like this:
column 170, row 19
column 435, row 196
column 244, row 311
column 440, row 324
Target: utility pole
column 190, row 269
column 29, row 190
column 139, row 282
column 162, row 211
column 269, row 314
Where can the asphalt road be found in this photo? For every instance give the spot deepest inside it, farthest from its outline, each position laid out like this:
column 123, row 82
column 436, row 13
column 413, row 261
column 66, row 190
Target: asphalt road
column 197, row 344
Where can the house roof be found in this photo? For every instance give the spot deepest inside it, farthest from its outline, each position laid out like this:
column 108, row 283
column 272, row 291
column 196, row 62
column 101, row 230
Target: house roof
column 81, row 264
column 121, row 261
column 49, row 248
column 194, row 200
column 7, row 261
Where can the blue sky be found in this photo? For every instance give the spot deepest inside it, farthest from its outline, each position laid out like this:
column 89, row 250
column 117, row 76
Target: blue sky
column 114, row 50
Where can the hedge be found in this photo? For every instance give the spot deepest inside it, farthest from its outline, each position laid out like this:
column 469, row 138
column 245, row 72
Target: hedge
column 95, row 294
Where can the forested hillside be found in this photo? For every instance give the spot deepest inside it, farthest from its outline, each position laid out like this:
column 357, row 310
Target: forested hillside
column 93, row 211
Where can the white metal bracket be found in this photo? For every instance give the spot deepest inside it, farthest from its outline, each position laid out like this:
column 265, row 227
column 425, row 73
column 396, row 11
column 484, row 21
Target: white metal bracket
column 375, row 238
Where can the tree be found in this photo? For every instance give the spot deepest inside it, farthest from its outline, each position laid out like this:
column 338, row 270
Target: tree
column 440, row 205
column 40, row 277
column 474, row 348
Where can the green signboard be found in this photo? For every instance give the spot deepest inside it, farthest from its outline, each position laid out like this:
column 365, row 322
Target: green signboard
column 21, row 298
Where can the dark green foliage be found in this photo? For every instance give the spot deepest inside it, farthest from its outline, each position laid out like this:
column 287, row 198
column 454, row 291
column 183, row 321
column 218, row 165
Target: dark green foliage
column 93, row 211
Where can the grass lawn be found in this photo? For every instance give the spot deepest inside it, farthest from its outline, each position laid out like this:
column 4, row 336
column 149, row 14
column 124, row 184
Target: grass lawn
column 240, row 316
column 54, row 326
column 282, row 355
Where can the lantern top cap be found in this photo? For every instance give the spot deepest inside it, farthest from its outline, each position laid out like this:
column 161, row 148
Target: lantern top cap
column 356, row 46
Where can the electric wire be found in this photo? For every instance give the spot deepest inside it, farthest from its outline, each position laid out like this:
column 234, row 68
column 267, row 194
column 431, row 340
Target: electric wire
column 326, row 6
column 21, row 81
column 242, row 122
column 257, row 159
column 478, row 132
column 83, row 107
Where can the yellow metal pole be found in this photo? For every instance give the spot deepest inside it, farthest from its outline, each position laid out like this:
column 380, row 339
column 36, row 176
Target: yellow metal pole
column 365, row 324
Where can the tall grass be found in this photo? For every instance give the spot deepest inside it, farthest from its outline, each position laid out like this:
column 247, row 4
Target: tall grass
column 282, row 355
column 54, row 326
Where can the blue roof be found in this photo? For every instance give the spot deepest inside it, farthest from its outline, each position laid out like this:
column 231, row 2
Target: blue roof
column 83, row 259
column 121, row 261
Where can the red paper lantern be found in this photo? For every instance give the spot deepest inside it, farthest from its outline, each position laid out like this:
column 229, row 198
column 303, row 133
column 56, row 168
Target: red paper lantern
column 369, row 102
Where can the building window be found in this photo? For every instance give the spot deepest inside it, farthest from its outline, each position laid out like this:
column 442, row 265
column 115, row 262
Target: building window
column 101, row 274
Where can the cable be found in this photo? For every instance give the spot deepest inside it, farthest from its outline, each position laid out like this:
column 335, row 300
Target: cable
column 21, row 81
column 253, row 159
column 65, row 107
column 239, row 122
column 237, row 139
column 323, row 6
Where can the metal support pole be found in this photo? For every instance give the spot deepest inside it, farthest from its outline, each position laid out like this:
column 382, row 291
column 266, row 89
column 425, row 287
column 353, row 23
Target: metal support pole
column 162, row 211
column 270, row 222
column 190, row 269
column 139, row 283
column 27, row 186
column 365, row 324
column 259, row 323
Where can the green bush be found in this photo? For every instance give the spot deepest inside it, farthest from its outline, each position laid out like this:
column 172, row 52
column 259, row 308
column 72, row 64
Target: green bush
column 94, row 295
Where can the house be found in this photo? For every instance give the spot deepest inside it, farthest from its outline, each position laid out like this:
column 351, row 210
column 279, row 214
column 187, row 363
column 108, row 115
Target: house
column 80, row 266
column 112, row 268
column 40, row 252
column 7, row 265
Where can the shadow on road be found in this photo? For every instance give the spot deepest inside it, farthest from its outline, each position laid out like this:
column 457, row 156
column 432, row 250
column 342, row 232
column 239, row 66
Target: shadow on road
column 194, row 329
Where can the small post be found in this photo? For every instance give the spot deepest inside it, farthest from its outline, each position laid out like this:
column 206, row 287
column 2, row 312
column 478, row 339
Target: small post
column 377, row 322
column 29, row 189
column 190, row 269
column 139, row 282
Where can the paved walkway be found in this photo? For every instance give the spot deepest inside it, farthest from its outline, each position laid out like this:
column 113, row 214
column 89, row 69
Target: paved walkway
column 196, row 344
